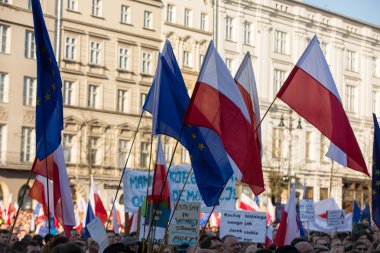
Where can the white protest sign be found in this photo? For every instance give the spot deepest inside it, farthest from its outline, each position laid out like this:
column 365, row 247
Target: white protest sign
column 246, row 226
column 185, row 225
column 98, row 233
column 307, row 212
column 135, row 183
column 158, row 235
column 335, row 217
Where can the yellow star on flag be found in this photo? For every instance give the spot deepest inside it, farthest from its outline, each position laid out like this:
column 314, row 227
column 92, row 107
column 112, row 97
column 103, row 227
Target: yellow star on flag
column 47, row 96
column 377, row 183
column 194, row 136
column 373, row 192
column 38, row 101
column 201, row 146
column 377, row 172
column 53, row 86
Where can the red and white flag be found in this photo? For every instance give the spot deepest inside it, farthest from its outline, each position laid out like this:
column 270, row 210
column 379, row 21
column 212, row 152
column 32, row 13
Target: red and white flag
column 9, row 210
column 96, row 202
column 61, row 202
column 269, row 237
column 217, row 104
column 311, row 91
column 245, row 80
column 271, row 212
column 288, row 228
column 248, row 204
column 159, row 178
column 115, row 219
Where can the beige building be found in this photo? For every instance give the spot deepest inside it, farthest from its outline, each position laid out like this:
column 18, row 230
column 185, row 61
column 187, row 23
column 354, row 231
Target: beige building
column 107, row 52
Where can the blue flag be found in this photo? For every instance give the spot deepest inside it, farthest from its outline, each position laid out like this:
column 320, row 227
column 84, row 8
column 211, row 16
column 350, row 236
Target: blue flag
column 366, row 215
column 89, row 217
column 376, row 174
column 167, row 101
column 356, row 213
column 49, row 110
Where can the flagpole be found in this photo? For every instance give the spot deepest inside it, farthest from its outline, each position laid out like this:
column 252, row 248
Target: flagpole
column 166, row 178
column 147, row 187
column 125, row 165
column 18, row 210
column 175, row 208
column 265, row 114
column 212, row 210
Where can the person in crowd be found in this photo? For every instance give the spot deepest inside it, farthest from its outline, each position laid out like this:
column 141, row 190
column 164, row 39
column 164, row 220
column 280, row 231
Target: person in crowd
column 74, row 234
column 362, row 247
column 304, row 247
column 337, row 249
column 4, row 236
column 251, row 249
column 14, row 238
column 111, row 237
column 230, row 244
column 31, row 247
column 212, row 243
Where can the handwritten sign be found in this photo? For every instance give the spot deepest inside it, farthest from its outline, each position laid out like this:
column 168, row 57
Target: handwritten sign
column 158, row 234
column 335, row 217
column 246, row 226
column 98, row 233
column 185, row 224
column 135, row 183
column 307, row 211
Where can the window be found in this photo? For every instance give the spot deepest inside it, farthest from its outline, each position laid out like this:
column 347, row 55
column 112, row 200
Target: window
column 93, row 151
column 148, row 19
column 280, row 39
column 185, row 156
column 29, row 91
column 279, row 78
column 123, row 152
column 187, row 21
column 146, row 64
column 350, row 98
column 27, row 144
column 124, row 14
column 72, row 5
column 4, row 1
column 350, row 60
column 144, row 155
column 122, row 100
column 229, row 63
column 247, row 33
column 4, row 30
column 201, row 58
column 67, row 143
column 30, row 45
column 324, row 146
column 3, row 87
column 309, row 192
column 142, row 99
column 4, row 37
column 170, row 13
column 95, row 52
column 70, row 44
column 67, row 93
column 277, row 137
column 375, row 67
column 92, row 96
column 323, row 193
column 204, row 22
column 309, row 146
column 229, row 28
column 376, row 101
column 97, row 8
column 123, row 58
column 168, row 151
column 187, row 59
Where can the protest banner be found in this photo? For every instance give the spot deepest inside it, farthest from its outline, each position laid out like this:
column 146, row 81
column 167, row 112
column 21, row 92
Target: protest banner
column 335, row 217
column 158, row 235
column 307, row 212
column 246, row 226
column 185, row 224
column 98, row 233
column 135, row 183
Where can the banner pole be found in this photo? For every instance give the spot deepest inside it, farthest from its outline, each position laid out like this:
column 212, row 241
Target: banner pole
column 265, row 114
column 122, row 174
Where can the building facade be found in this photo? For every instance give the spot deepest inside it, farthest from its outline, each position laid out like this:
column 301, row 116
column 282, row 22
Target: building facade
column 107, row 55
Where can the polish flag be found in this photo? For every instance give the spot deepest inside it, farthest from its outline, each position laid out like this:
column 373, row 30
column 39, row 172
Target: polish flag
column 9, row 210
column 61, row 202
column 159, row 178
column 96, row 202
column 245, row 80
column 133, row 220
column 248, row 204
column 311, row 91
column 269, row 237
column 217, row 104
column 288, row 228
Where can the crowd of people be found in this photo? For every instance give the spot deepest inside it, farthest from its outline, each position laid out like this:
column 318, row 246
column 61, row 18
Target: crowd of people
column 362, row 239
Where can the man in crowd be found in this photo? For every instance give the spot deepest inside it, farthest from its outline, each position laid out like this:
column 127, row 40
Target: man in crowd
column 230, row 244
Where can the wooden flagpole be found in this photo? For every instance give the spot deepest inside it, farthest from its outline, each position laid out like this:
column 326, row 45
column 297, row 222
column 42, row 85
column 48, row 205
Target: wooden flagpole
column 125, row 165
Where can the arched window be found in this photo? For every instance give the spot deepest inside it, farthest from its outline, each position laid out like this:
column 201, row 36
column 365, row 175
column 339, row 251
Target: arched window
column 27, row 204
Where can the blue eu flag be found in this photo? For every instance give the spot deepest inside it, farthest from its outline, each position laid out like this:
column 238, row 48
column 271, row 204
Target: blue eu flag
column 167, row 101
column 49, row 111
column 356, row 213
column 376, row 174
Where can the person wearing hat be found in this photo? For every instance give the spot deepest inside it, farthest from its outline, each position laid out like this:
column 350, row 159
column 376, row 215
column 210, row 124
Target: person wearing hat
column 131, row 243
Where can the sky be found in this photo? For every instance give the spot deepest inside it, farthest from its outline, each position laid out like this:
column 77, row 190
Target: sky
column 365, row 10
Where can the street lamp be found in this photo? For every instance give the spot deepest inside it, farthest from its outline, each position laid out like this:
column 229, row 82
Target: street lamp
column 290, row 128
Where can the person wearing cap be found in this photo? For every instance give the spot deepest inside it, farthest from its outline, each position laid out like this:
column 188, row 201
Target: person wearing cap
column 131, row 243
